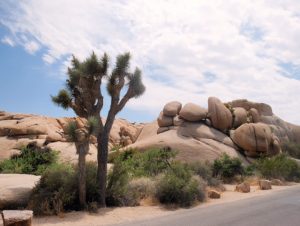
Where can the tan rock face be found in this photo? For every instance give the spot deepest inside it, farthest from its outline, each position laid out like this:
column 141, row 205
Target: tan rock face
column 164, row 121
column 15, row 189
column 254, row 115
column 265, row 184
column 240, row 117
column 193, row 112
column 193, row 141
column 220, row 116
column 243, row 187
column 253, row 138
column 262, row 108
column 172, row 108
column 17, row 217
column 277, row 182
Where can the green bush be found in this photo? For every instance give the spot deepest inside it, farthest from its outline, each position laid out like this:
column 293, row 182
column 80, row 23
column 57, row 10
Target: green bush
column 177, row 186
column 226, row 168
column 117, row 187
column 149, row 163
column 144, row 187
column 291, row 148
column 204, row 170
column 57, row 190
column 31, row 160
column 278, row 167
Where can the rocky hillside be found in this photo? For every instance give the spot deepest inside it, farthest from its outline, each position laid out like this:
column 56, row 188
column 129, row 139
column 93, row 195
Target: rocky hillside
column 18, row 130
column 239, row 128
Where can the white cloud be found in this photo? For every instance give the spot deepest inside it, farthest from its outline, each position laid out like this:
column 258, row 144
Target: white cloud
column 31, row 47
column 8, row 41
column 177, row 44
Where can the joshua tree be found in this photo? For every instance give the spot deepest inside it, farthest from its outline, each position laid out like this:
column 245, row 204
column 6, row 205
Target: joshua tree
column 80, row 135
column 84, row 95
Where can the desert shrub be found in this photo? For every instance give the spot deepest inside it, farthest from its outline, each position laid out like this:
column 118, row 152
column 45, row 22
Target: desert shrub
column 278, row 167
column 177, row 186
column 226, row 168
column 92, row 188
column 291, row 148
column 204, row 170
column 149, row 163
column 31, row 160
column 249, row 170
column 143, row 186
column 124, row 188
column 117, row 186
column 57, row 190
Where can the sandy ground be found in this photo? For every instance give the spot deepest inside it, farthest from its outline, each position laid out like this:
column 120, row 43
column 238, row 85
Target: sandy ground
column 126, row 214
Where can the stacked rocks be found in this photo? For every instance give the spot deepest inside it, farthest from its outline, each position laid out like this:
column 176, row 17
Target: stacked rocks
column 251, row 126
column 165, row 119
column 174, row 115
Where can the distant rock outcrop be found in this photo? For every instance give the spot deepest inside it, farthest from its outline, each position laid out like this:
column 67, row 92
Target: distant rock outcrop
column 18, row 130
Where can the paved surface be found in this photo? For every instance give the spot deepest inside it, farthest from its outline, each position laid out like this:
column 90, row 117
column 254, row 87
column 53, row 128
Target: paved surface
column 281, row 208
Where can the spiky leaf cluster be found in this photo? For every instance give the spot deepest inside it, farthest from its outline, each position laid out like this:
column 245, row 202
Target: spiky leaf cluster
column 83, row 86
column 92, row 125
column 71, row 131
column 83, row 93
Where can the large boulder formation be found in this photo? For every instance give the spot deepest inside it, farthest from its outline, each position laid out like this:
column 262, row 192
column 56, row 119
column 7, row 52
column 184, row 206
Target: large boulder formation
column 193, row 112
column 256, row 139
column 18, row 130
column 193, row 141
column 15, row 190
column 172, row 108
column 236, row 127
column 220, row 115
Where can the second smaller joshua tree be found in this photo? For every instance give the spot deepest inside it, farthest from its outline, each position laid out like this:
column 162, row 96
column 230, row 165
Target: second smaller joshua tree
column 80, row 134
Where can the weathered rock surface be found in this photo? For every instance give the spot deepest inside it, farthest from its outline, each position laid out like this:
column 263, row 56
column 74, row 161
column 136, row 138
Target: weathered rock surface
column 254, row 115
column 240, row 116
column 193, row 112
column 172, row 108
column 15, row 189
column 277, row 182
column 255, row 139
column 220, row 116
column 193, row 141
column 17, row 217
column 265, row 184
column 243, row 187
column 164, row 121
column 262, row 108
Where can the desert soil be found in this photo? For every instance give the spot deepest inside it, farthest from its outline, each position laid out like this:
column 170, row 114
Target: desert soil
column 110, row 216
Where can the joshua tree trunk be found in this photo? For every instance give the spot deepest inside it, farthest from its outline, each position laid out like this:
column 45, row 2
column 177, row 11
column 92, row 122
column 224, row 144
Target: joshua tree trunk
column 102, row 159
column 83, row 150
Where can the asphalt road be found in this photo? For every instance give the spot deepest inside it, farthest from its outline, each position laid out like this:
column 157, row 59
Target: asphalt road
column 281, row 208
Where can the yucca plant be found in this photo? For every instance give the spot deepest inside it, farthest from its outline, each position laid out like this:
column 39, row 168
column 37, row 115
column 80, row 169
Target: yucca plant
column 83, row 94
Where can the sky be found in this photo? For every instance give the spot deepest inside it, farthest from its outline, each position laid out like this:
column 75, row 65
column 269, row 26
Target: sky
column 187, row 50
